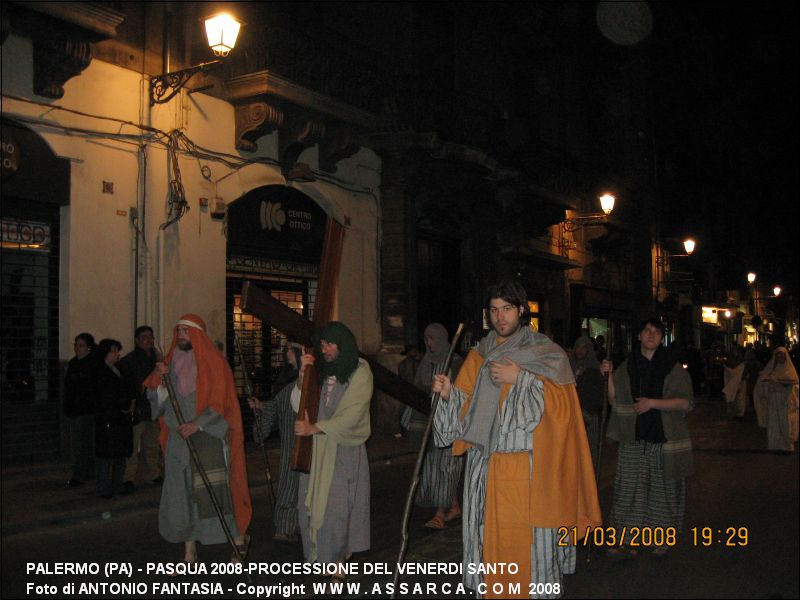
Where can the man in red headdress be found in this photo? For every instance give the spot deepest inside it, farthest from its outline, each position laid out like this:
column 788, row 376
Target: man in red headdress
column 206, row 395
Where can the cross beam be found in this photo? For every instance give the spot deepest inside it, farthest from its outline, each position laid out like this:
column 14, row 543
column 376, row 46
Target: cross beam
column 270, row 310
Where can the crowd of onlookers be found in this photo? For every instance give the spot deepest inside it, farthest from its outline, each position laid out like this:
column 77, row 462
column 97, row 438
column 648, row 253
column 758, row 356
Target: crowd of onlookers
column 114, row 439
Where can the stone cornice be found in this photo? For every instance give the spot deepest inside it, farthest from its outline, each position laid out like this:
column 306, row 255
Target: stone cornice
column 255, row 86
column 99, row 20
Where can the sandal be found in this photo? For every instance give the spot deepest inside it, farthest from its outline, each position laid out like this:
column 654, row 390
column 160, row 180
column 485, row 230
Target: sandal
column 242, row 548
column 436, row 523
column 453, row 514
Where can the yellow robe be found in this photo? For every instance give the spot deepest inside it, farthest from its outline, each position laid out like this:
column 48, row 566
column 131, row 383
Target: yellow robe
column 560, row 490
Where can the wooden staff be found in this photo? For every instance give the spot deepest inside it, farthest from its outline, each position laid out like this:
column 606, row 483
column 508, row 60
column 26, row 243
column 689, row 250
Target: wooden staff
column 603, row 416
column 173, row 400
column 248, row 390
column 418, row 466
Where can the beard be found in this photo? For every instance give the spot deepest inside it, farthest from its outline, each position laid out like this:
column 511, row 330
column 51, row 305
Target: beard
column 184, row 345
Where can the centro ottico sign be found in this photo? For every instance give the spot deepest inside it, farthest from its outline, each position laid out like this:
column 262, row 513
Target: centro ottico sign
column 274, row 218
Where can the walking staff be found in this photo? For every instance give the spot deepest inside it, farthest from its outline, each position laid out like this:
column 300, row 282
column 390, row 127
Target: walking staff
column 248, row 390
column 600, row 435
column 418, row 466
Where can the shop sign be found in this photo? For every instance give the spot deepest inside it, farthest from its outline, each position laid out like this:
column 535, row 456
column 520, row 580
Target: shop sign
column 11, row 154
column 278, row 223
column 25, row 235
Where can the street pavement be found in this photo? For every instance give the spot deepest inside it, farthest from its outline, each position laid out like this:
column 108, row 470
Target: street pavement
column 737, row 484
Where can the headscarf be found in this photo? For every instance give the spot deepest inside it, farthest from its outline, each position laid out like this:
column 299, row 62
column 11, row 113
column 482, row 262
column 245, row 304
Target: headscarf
column 214, row 389
column 289, row 371
column 587, row 362
column 347, row 361
column 432, row 360
column 785, row 373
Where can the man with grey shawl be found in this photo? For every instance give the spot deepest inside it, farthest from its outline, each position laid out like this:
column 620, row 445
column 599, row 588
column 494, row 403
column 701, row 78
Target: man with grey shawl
column 589, row 382
column 650, row 395
column 333, row 499
column 441, row 471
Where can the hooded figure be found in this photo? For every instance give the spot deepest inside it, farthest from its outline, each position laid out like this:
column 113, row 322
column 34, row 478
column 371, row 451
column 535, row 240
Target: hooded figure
column 776, row 401
column 206, row 394
column 333, row 499
column 589, row 383
column 441, row 471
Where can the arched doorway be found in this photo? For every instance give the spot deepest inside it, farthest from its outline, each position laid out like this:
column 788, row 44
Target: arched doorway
column 275, row 237
column 30, row 217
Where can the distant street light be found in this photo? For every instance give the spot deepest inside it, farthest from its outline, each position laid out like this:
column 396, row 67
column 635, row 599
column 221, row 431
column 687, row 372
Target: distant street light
column 751, row 277
column 776, row 290
column 688, row 244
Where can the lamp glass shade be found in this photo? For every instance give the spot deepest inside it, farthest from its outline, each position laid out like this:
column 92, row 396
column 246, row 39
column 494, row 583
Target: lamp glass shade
column 751, row 277
column 776, row 290
column 607, row 203
column 222, row 31
column 689, row 244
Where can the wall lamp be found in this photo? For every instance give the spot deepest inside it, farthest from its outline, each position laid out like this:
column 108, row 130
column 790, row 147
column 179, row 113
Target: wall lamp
column 221, row 32
column 688, row 245
column 606, row 203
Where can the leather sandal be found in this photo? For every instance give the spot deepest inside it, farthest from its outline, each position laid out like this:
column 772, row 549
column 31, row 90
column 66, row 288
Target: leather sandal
column 436, row 522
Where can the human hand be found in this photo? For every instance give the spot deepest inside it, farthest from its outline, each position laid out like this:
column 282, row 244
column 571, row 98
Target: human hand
column 506, row 371
column 642, row 405
column 303, row 427
column 606, row 367
column 254, row 403
column 442, row 385
column 307, row 359
column 187, row 429
column 162, row 369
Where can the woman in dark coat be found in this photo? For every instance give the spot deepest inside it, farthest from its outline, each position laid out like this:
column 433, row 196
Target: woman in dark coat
column 114, row 426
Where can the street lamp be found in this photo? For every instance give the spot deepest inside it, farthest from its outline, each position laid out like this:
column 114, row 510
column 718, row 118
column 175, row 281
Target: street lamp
column 751, row 277
column 663, row 257
column 606, row 203
column 222, row 30
column 776, row 290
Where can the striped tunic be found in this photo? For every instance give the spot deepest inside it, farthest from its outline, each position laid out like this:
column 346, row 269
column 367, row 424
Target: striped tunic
column 278, row 412
column 642, row 496
column 519, row 416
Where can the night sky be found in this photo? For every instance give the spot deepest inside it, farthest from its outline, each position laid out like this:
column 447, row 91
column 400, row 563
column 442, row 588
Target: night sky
column 727, row 132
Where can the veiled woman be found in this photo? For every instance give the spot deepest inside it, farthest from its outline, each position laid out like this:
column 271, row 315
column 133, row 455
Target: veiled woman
column 776, row 401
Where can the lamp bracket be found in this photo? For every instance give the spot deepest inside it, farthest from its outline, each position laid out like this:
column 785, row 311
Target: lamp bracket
column 164, row 87
column 582, row 221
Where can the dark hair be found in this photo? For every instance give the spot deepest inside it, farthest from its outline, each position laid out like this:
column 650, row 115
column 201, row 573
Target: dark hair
column 513, row 293
column 105, row 346
column 141, row 329
column 88, row 338
column 655, row 323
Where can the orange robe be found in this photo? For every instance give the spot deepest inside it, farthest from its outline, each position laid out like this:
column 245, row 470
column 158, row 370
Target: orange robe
column 559, row 491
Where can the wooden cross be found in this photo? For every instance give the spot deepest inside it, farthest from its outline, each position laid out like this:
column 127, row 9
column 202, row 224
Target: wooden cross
column 270, row 310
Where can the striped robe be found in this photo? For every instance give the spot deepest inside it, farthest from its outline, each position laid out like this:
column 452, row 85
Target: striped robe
column 278, row 412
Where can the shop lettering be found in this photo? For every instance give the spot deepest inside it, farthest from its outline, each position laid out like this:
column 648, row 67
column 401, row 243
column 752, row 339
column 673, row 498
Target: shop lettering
column 22, row 232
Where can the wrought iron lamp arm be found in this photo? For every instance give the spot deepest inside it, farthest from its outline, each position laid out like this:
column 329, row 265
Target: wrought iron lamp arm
column 164, row 87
